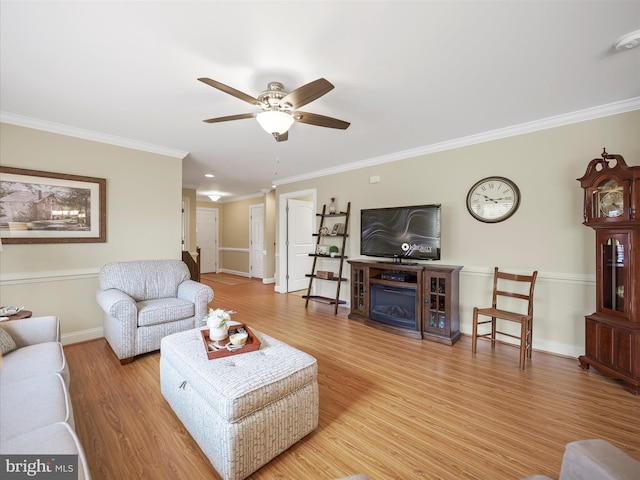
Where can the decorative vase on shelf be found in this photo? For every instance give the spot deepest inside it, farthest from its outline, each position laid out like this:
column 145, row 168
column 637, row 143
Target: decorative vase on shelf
column 333, row 208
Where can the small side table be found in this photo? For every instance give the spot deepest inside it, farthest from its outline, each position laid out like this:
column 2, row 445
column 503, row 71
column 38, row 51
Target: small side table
column 20, row 315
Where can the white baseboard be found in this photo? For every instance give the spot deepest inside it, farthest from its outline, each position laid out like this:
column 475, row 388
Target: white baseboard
column 82, row 336
column 234, row 272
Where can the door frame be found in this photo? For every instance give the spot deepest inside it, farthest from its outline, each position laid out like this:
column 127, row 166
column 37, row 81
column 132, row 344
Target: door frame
column 261, row 206
column 282, row 285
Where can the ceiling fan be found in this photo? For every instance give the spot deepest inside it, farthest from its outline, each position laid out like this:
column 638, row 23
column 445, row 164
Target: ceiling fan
column 279, row 108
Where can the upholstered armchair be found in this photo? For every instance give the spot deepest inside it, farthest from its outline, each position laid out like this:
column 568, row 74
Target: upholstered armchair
column 144, row 301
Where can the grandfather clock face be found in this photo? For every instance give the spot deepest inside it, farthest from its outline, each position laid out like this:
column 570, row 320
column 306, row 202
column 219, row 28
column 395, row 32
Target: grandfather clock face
column 608, row 200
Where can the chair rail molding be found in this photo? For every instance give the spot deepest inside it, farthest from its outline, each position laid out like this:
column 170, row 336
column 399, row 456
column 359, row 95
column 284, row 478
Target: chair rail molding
column 551, row 277
column 47, row 276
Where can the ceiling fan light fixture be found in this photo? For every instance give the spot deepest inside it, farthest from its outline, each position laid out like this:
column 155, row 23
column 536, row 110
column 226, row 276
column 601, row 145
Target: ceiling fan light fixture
column 629, row 41
column 275, row 122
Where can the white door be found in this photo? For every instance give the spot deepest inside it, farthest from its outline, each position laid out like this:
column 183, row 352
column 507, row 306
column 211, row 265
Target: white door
column 207, row 238
column 300, row 220
column 256, row 217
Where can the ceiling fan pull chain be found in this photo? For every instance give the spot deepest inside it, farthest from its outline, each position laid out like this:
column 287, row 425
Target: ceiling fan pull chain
column 275, row 167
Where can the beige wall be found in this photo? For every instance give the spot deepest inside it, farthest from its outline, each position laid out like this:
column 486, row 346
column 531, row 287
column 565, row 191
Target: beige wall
column 143, row 222
column 546, row 233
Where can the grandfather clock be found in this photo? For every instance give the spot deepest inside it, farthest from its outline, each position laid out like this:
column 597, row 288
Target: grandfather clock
column 611, row 208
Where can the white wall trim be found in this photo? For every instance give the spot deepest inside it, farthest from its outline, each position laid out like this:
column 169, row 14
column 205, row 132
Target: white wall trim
column 592, row 113
column 82, row 336
column 28, row 122
column 557, row 348
column 552, row 277
column 232, row 249
column 47, row 276
column 235, row 272
column 62, row 275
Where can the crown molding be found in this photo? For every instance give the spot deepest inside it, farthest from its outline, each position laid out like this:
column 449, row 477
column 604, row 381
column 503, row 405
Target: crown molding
column 592, row 113
column 28, row 122
column 250, row 196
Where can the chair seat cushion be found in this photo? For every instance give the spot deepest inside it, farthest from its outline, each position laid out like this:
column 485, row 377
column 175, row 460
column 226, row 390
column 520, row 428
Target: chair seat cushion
column 162, row 310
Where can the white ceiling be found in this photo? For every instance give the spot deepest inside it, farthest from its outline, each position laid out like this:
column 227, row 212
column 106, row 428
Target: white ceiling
column 407, row 75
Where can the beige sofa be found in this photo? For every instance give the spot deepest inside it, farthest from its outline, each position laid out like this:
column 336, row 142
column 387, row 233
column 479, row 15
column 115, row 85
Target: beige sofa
column 595, row 460
column 36, row 417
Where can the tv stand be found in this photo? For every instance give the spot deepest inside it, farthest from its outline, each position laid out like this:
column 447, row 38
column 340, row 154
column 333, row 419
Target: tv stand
column 437, row 316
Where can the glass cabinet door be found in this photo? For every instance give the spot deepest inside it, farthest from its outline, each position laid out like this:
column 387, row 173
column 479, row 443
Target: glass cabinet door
column 358, row 290
column 608, row 201
column 614, row 259
column 435, row 305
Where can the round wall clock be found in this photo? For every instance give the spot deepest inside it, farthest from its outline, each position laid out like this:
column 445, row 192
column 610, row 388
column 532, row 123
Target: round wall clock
column 493, row 199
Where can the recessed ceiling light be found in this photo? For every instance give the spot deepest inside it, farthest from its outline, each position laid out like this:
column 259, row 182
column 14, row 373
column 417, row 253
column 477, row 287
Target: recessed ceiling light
column 210, row 175
column 629, row 41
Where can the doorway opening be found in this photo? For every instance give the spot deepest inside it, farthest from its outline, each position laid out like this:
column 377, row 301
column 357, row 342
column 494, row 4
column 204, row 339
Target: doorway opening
column 296, row 213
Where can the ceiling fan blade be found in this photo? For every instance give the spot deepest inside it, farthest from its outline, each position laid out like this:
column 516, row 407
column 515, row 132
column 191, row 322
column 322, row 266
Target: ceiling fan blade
column 307, row 93
column 230, row 117
column 283, row 137
column 231, row 91
column 320, row 120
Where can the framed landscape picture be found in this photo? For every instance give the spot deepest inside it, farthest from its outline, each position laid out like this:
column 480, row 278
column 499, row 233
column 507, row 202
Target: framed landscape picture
column 46, row 207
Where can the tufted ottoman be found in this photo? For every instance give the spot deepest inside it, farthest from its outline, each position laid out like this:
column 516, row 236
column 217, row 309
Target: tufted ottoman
column 242, row 410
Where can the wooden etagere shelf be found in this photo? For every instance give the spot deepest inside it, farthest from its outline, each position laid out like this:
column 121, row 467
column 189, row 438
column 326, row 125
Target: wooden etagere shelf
column 329, row 229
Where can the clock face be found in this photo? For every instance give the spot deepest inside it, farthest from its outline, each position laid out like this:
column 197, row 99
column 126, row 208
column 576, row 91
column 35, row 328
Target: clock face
column 493, row 199
column 612, row 204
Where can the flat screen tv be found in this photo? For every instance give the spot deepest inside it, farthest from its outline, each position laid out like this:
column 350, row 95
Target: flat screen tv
column 401, row 233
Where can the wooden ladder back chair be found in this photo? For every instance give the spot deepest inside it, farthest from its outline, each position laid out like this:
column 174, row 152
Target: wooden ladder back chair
column 519, row 284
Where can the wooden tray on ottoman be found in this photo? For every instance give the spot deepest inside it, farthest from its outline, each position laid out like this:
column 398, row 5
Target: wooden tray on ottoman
column 252, row 344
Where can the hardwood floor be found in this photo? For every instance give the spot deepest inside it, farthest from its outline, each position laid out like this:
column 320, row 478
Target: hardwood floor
column 392, row 407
